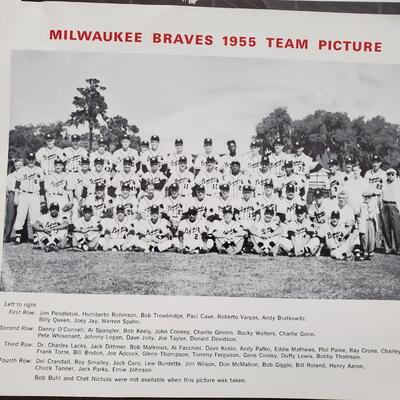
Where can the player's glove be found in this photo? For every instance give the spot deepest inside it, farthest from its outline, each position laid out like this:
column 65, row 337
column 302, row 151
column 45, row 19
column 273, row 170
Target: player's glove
column 43, row 207
column 67, row 207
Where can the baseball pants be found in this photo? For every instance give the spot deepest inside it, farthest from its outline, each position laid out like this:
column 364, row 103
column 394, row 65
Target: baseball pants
column 162, row 245
column 28, row 205
column 312, row 244
column 193, row 244
column 265, row 245
column 368, row 236
column 55, row 237
column 231, row 246
column 391, row 225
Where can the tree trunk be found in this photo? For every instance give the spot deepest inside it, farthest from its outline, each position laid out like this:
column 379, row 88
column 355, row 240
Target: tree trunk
column 90, row 137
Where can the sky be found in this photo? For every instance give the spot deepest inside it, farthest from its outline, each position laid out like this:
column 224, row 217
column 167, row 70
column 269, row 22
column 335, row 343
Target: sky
column 198, row 97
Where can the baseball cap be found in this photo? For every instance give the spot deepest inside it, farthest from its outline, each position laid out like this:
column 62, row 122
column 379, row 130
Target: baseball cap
column 54, row 206
column 144, row 143
column 227, row 209
column 318, row 193
column 390, row 170
column 174, row 186
column 290, row 187
column 153, row 160
column 279, row 142
column 269, row 183
column 30, row 156
column 178, row 141
column 192, row 210
column 333, row 161
column 120, row 208
column 99, row 186
column 87, row 209
column 335, row 215
column 154, row 138
column 49, row 136
column 224, row 187
column 58, row 161
column 297, row 144
column 127, row 161
column 126, row 137
column 367, row 193
column 101, row 142
column 154, row 209
column 269, row 210
column 376, row 158
column 125, row 186
column 75, row 138
column 289, row 164
column 210, row 159
column 264, row 160
column 208, row 142
column 235, row 162
column 183, row 159
column 85, row 160
column 231, row 141
column 300, row 209
column 200, row 188
column 254, row 143
column 348, row 160
column 247, row 188
column 98, row 160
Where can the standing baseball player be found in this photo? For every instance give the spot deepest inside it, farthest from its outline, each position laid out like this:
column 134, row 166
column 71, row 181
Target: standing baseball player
column 193, row 234
column 268, row 198
column 246, row 208
column 183, row 178
column 127, row 176
column 51, row 229
column 199, row 201
column 298, row 181
column 286, row 206
column 151, row 198
column 320, row 209
column 201, row 159
column 29, row 195
column 127, row 199
column 154, row 176
column 97, row 176
column 210, row 178
column 172, row 206
column 336, row 182
column 86, row 230
column 217, row 204
column 154, row 152
column 236, row 180
column 73, row 155
column 46, row 155
column 102, row 153
column 226, row 160
column 278, row 158
column 251, row 162
column 101, row 203
column 262, row 175
column 125, row 152
column 173, row 158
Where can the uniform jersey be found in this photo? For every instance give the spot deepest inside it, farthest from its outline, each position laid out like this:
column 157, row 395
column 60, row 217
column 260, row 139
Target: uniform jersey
column 201, row 159
column 73, row 158
column 302, row 164
column 173, row 160
column 265, row 229
column 185, row 180
column 202, row 206
column 173, row 208
column 226, row 230
column 225, row 162
column 258, row 179
column 347, row 178
column 236, row 183
column 90, row 181
column 217, row 204
column 154, row 230
column 375, row 180
column 57, row 184
column 106, row 157
column 119, row 156
column 145, row 158
column 263, row 202
column 210, row 180
column 100, row 205
column 320, row 214
column 158, row 179
column 46, row 157
column 355, row 189
column 192, row 230
column 287, row 208
column 334, row 236
column 29, row 179
column 82, row 225
column 145, row 204
column 249, row 164
column 122, row 178
column 246, row 210
column 336, row 183
column 49, row 222
column 297, row 181
column 347, row 217
column 78, row 180
column 118, row 229
column 300, row 229
column 277, row 163
column 130, row 203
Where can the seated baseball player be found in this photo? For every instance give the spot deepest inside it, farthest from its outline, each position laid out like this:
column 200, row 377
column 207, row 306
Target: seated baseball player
column 118, row 232
column 336, row 238
column 246, row 208
column 101, row 203
column 268, row 197
column 51, row 229
column 301, row 238
column 153, row 234
column 183, row 177
column 127, row 176
column 285, row 208
column 209, row 177
column 86, row 230
column 217, row 203
column 154, row 176
column 192, row 234
column 228, row 234
column 266, row 233
column 127, row 199
column 149, row 199
column 172, row 207
column 200, row 201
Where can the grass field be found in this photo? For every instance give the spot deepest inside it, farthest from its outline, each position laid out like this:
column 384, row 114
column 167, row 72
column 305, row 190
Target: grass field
column 26, row 269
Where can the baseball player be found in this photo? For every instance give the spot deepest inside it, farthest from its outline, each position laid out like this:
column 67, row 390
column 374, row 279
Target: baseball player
column 127, row 176
column 262, row 175
column 268, row 198
column 101, row 203
column 102, row 153
column 182, row 177
column 46, row 155
column 278, row 158
column 210, row 178
column 265, row 234
column 125, row 152
column 356, row 186
column 86, row 230
column 201, row 159
column 252, row 161
column 301, row 238
column 118, row 232
column 153, row 152
column 51, row 229
column 246, row 209
column 154, row 176
column 78, row 180
column 193, row 234
column 336, row 237
column 73, row 155
column 149, row 199
column 98, row 175
column 226, row 160
column 127, row 199
column 59, row 187
column 336, row 183
column 174, row 158
column 153, row 234
column 298, row 181
column 29, row 194
column 303, row 164
column 347, row 174
column 199, row 201
column 228, row 234
column 172, row 206
column 236, row 180
column 217, row 204
column 286, row 206
column 320, row 209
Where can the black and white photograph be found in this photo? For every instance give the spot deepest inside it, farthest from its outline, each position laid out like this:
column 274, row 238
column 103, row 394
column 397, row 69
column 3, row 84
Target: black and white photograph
column 202, row 176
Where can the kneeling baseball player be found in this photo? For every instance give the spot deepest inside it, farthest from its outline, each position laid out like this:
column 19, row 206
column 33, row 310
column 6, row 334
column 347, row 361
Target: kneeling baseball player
column 51, row 229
